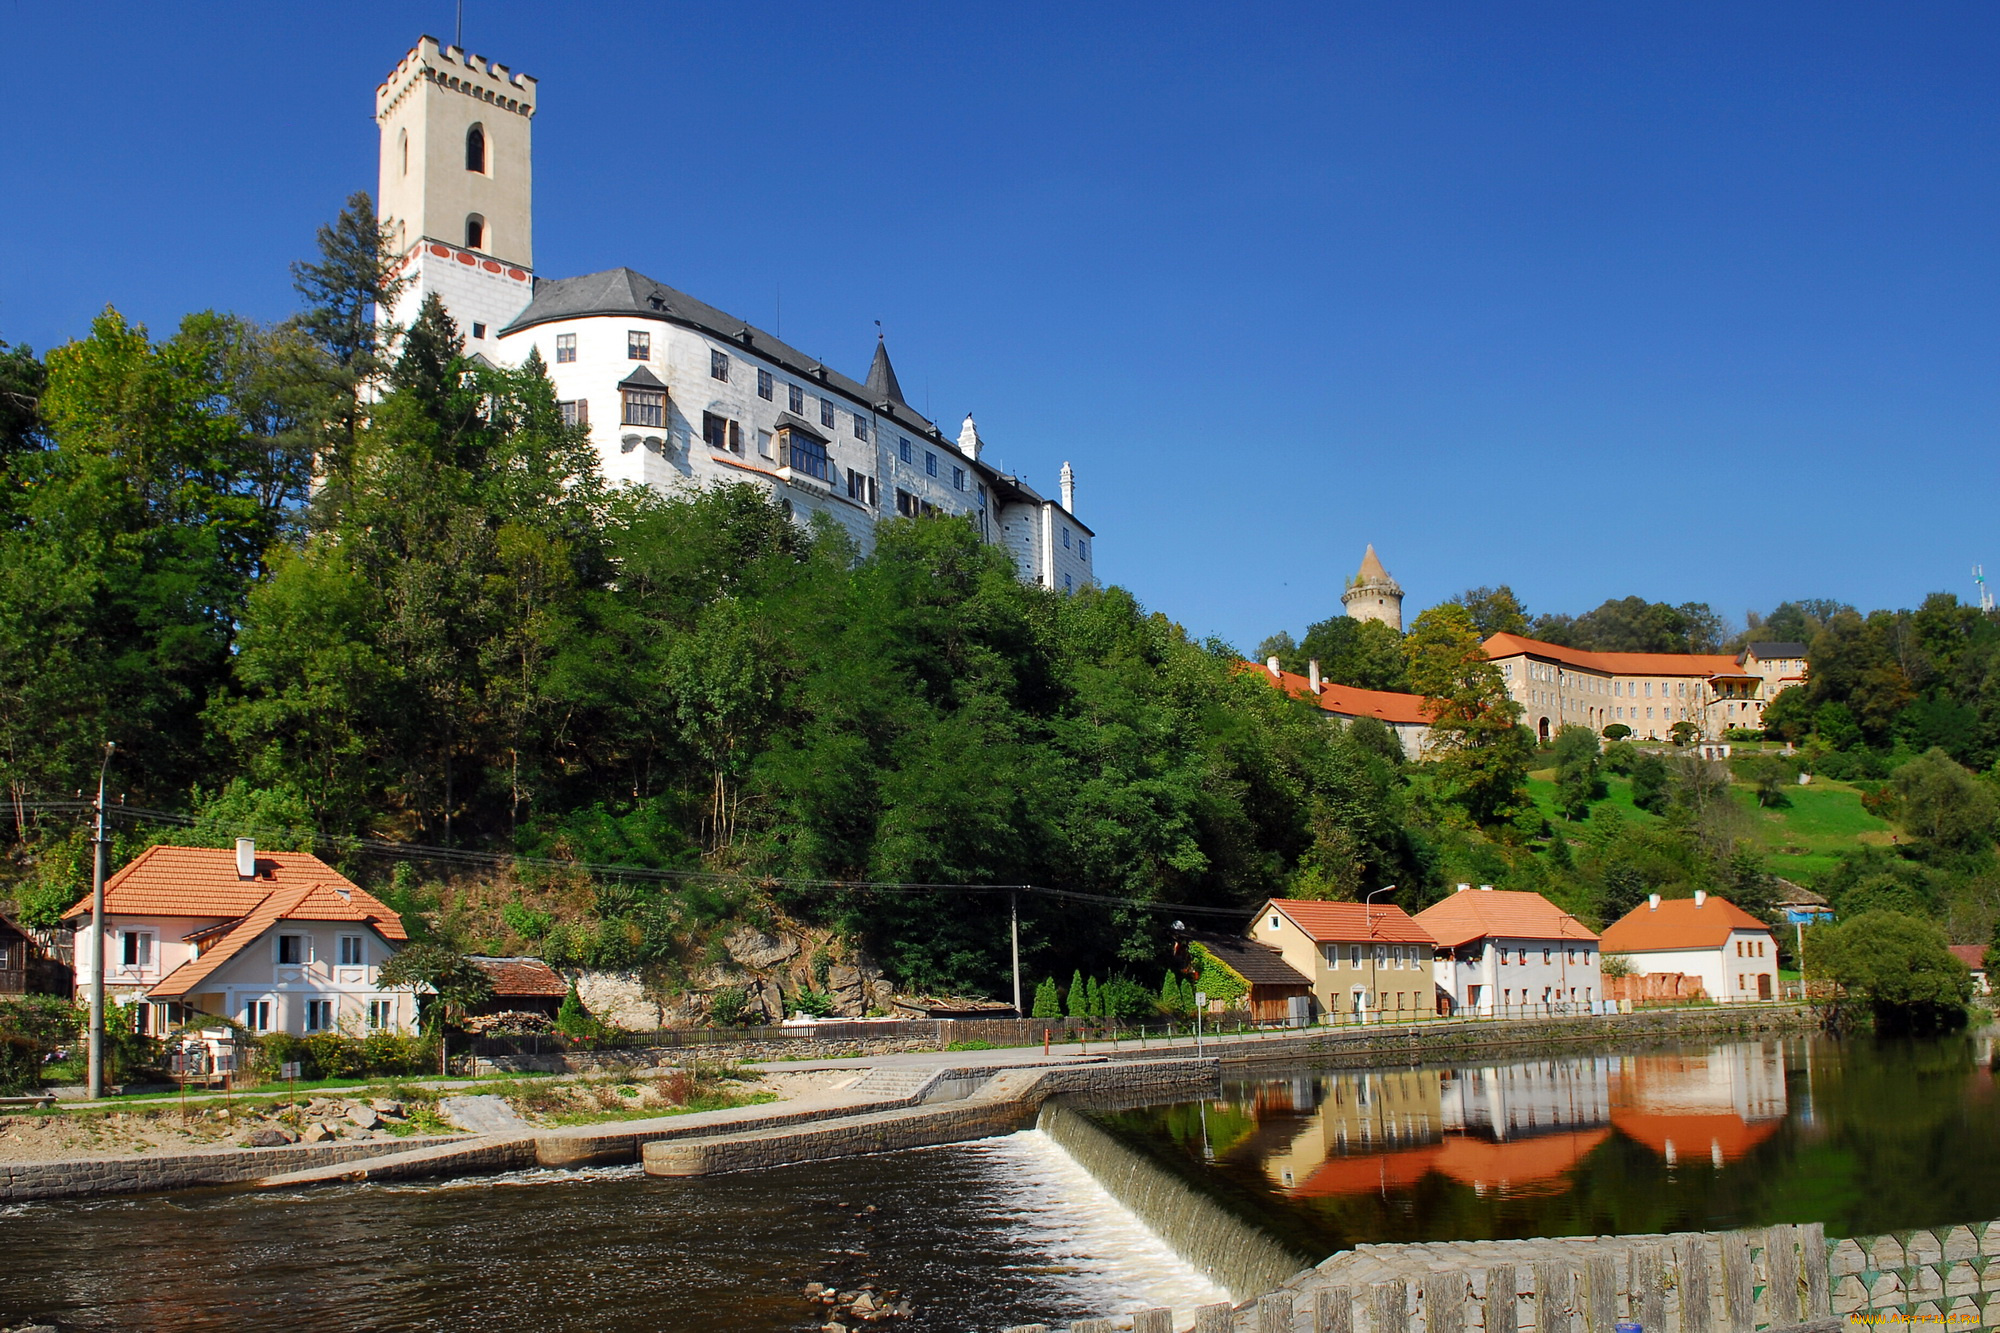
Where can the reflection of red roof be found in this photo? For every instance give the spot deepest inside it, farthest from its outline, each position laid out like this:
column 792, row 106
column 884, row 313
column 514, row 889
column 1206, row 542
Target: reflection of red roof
column 1678, row 924
column 1617, row 664
column 1694, row 1135
column 1511, row 914
column 1510, row 1163
column 1327, row 922
column 1348, row 700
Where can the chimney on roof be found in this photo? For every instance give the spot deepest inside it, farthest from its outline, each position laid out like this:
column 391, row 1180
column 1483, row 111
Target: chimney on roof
column 1653, row 902
column 346, row 894
column 1700, row 897
column 1486, row 888
column 1312, row 676
column 1271, row 665
column 246, row 858
column 1464, row 887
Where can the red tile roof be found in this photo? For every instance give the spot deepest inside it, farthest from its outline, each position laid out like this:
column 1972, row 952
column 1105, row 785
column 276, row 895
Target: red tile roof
column 202, row 882
column 1349, row 700
column 522, row 976
column 1617, row 664
column 306, row 902
column 1331, row 922
column 1499, row 913
column 1678, row 924
column 1972, row 955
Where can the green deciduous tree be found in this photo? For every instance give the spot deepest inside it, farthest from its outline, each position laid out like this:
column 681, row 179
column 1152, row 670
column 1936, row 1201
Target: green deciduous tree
column 1897, row 965
column 1577, row 781
column 1479, row 747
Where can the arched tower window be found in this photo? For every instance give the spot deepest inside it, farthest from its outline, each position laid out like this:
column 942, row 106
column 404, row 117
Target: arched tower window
column 403, row 144
column 475, row 150
column 475, row 232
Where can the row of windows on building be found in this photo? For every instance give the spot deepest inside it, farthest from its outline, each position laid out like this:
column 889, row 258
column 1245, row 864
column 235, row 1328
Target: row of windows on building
column 1618, row 689
column 321, row 1015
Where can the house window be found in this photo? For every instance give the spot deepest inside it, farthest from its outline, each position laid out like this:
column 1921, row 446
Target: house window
column 802, row 453
column 137, row 948
column 1082, row 548
column 766, row 387
column 902, row 448
column 478, row 329
column 644, row 407
column 350, row 951
column 575, row 411
column 1354, row 955
column 796, row 398
column 638, row 345
column 930, row 464
column 1548, row 956
column 826, row 412
column 861, row 487
column 257, row 1015
column 292, row 949
column 860, row 426
column 381, row 1013
column 958, row 478
column 718, row 365
column 906, row 504
column 565, row 348
column 319, row 1015
column 721, row 433
column 1274, row 921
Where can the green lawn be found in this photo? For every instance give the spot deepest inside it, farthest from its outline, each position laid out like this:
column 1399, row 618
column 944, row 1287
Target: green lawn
column 1803, row 839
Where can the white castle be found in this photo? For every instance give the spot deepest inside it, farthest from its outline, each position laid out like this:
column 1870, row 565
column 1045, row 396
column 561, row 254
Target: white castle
column 675, row 393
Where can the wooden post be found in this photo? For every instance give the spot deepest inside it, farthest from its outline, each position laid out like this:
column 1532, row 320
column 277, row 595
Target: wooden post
column 1649, row 1289
column 1333, row 1310
column 1601, row 1294
column 1502, row 1315
column 1274, row 1313
column 1819, row 1281
column 1215, row 1319
column 1093, row 1326
column 1390, row 1301
column 1444, row 1303
column 1552, row 1298
column 1781, row 1260
column 1153, row 1321
column 1739, row 1312
column 1696, row 1312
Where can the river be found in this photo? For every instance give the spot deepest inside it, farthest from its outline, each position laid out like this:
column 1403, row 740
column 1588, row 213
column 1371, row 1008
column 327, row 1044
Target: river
column 1863, row 1136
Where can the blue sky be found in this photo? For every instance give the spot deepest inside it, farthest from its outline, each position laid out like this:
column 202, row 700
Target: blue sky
column 1691, row 301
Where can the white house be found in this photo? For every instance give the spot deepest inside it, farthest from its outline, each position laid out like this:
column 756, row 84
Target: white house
column 279, row 941
column 1732, row 953
column 1503, row 952
column 674, row 393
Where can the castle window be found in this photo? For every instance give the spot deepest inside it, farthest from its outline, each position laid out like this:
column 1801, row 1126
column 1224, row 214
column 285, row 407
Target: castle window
column 478, row 330
column 765, row 386
column 638, row 345
column 403, row 142
column 860, row 426
column 575, row 411
column 958, row 478
column 826, row 411
column 903, row 449
column 475, row 232
column 565, row 348
column 796, row 399
column 1082, row 549
column 644, row 407
column 930, row 464
column 861, row 487
column 802, row 453
column 718, row 365
column 721, row 433
column 1065, row 533
column 475, row 150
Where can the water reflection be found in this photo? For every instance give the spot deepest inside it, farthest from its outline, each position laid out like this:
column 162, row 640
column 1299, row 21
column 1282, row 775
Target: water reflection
column 1869, row 1136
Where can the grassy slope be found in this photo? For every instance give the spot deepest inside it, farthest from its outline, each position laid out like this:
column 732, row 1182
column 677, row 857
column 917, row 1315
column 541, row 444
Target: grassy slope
column 1803, row 839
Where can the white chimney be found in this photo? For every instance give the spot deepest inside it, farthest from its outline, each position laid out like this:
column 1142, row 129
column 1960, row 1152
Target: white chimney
column 1312, row 675
column 246, row 858
column 1653, row 901
column 968, row 439
column 1463, row 887
column 1069, row 489
column 1700, row 897
column 1271, row 665
column 1486, row 888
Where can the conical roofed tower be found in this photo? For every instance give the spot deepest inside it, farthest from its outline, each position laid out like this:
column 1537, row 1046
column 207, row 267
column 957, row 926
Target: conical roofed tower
column 1372, row 595
column 882, row 376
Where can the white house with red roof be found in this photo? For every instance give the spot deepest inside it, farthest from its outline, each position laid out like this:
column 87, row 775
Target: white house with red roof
column 1364, row 960
column 278, row 941
column 1733, row 954
column 1502, row 951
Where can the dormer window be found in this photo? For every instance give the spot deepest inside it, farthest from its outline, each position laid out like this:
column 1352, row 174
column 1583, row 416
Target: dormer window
column 475, row 150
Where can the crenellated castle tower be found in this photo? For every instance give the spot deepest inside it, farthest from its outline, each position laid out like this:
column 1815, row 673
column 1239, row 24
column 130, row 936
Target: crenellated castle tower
column 1372, row 595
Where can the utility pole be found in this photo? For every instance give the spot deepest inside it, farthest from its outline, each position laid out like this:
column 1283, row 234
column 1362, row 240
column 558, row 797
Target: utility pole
column 97, row 936
column 1014, row 930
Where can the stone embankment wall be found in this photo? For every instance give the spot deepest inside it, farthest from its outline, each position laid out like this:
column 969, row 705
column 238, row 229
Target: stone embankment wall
column 79, row 1177
column 1785, row 1277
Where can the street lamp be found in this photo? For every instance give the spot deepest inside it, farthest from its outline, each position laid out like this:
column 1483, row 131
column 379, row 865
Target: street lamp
column 1368, row 914
column 97, row 936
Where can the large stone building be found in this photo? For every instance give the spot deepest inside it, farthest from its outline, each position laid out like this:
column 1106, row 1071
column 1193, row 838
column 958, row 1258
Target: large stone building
column 1558, row 687
column 675, row 394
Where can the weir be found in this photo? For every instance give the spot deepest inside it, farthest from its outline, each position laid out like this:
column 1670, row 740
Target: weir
column 1232, row 1253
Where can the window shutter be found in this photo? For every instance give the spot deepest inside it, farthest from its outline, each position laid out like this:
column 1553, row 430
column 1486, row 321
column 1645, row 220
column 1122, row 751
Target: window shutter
column 735, row 438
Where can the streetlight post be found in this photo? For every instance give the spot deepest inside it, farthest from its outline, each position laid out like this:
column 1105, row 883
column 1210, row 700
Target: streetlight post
column 1014, row 935
column 1368, row 915
column 97, row 936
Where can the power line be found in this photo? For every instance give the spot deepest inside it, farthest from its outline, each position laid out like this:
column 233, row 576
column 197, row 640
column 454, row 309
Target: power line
column 411, row 851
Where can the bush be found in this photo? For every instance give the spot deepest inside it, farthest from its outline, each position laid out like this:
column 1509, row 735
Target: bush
column 1048, row 1001
column 335, row 1055
column 32, row 1029
column 1620, row 755
column 816, row 1003
column 1122, row 997
column 1617, row 731
column 725, row 1007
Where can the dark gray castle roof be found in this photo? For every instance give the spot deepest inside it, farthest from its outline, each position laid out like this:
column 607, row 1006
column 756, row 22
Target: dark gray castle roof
column 623, row 291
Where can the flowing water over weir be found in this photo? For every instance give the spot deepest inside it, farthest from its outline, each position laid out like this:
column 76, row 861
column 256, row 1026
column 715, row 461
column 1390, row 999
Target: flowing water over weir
column 1238, row 1256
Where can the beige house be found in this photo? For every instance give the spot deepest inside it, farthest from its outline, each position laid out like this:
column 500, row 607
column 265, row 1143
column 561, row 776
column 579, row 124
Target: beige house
column 1558, row 687
column 1371, row 961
